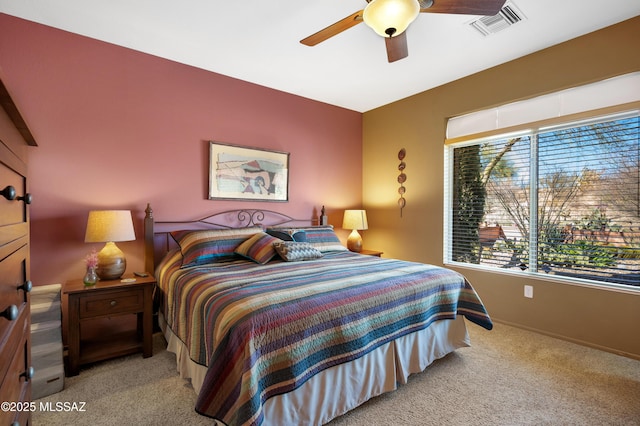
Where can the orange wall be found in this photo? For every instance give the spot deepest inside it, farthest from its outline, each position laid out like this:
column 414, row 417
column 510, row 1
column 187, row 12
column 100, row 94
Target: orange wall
column 602, row 318
column 118, row 128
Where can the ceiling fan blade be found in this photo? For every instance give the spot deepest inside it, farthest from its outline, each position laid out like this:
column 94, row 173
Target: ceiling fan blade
column 397, row 47
column 334, row 29
column 465, row 7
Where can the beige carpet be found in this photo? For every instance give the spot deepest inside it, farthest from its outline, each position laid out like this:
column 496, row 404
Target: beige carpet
column 508, row 377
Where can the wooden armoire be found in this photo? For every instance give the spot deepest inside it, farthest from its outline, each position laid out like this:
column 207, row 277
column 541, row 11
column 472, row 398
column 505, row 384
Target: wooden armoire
column 15, row 352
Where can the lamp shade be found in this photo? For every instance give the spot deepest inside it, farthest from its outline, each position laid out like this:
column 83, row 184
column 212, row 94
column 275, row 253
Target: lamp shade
column 109, row 226
column 355, row 219
column 390, row 17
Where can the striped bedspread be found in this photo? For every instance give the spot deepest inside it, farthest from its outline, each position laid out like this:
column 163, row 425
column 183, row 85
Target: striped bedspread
column 263, row 330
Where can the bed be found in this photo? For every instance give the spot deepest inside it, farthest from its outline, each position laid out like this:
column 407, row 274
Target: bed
column 275, row 322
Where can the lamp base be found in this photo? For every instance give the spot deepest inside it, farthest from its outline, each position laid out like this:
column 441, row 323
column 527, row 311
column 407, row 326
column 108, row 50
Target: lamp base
column 354, row 242
column 111, row 262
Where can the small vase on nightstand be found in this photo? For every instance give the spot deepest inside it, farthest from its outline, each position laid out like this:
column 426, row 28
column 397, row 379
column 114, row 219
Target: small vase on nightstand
column 90, row 278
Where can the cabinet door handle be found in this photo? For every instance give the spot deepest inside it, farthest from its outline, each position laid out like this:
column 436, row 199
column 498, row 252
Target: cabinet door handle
column 114, row 303
column 27, row 286
column 9, row 192
column 27, row 198
column 29, row 373
column 11, row 313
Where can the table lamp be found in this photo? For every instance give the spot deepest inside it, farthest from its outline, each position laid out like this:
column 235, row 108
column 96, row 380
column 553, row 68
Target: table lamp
column 355, row 220
column 110, row 226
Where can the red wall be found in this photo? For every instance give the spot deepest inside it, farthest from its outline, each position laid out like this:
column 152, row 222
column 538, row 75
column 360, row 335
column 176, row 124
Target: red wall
column 117, row 128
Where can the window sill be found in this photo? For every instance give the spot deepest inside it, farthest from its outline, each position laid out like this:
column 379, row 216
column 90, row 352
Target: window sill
column 621, row 288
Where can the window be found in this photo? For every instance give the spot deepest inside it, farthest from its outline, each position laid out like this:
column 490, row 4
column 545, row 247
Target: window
column 561, row 201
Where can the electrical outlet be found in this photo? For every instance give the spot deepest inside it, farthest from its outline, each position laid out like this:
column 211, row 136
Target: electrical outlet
column 528, row 291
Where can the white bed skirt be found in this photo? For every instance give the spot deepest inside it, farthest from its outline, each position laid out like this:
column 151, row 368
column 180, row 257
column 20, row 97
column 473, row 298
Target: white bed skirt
column 341, row 388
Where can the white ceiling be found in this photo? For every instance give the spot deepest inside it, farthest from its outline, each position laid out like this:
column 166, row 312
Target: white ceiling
column 258, row 41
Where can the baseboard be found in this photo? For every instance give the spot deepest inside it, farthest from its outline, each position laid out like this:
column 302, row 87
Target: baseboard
column 569, row 339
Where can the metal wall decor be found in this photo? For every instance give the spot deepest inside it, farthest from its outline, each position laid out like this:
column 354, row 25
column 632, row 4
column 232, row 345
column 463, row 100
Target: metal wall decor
column 402, row 178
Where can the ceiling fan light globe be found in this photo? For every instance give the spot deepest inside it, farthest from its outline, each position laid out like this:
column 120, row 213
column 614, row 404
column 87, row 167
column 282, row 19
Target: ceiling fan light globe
column 381, row 15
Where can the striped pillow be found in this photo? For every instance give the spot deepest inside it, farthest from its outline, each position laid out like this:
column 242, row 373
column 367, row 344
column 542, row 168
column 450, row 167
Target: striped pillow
column 211, row 246
column 322, row 237
column 258, row 248
column 292, row 251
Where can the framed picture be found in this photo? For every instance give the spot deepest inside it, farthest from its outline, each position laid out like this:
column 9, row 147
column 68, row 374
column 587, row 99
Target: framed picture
column 241, row 173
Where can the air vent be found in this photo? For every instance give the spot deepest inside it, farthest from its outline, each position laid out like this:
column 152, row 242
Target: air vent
column 507, row 16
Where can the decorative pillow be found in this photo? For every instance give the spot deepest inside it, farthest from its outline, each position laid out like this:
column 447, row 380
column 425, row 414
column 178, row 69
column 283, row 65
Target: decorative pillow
column 292, row 251
column 288, row 234
column 210, row 246
column 258, row 248
column 322, row 237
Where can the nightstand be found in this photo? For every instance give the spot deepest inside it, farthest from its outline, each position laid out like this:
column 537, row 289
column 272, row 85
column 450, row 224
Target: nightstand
column 104, row 300
column 372, row 253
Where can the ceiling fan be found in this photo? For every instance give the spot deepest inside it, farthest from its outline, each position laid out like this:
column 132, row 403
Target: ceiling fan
column 390, row 19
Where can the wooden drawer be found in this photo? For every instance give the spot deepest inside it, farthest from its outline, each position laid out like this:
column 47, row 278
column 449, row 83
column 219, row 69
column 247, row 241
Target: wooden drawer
column 15, row 386
column 12, row 276
column 12, row 211
column 13, row 339
column 106, row 303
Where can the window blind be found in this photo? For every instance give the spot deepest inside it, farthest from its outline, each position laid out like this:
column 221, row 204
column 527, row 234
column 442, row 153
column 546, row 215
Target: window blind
column 562, row 201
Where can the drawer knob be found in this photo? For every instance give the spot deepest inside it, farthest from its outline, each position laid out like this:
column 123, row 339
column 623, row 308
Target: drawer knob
column 114, row 303
column 9, row 192
column 27, row 198
column 11, row 313
column 29, row 373
column 27, row 286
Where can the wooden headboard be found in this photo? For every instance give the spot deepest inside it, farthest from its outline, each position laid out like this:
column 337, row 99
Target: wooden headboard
column 158, row 241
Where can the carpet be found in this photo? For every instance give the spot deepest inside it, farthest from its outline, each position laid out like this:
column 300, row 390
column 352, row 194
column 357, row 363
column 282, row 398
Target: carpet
column 508, row 376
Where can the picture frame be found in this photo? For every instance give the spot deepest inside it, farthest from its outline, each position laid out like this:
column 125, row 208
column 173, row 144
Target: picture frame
column 247, row 173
